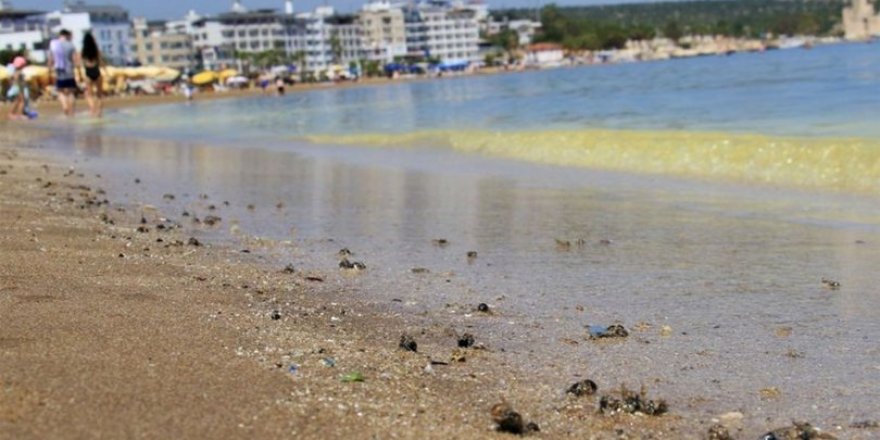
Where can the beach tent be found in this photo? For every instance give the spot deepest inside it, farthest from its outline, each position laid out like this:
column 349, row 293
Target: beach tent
column 204, row 78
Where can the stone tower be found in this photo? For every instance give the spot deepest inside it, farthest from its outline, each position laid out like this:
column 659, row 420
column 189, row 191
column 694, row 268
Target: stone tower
column 860, row 20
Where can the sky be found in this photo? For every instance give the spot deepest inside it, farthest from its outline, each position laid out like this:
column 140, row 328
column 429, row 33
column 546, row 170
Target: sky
column 173, row 9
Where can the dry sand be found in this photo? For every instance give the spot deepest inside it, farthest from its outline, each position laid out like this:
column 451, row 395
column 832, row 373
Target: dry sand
column 107, row 332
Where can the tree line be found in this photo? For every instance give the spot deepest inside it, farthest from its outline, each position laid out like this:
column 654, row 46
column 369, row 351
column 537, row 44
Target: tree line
column 610, row 26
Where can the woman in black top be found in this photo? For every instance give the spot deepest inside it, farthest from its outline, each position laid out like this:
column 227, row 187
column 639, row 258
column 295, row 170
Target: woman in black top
column 93, row 62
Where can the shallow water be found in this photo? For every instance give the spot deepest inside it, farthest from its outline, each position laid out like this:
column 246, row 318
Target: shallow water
column 731, row 265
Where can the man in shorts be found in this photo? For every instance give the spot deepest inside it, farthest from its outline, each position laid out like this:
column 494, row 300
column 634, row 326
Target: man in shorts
column 63, row 62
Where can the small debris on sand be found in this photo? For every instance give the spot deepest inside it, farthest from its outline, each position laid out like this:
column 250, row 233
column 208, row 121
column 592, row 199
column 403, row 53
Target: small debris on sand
column 630, row 402
column 355, row 265
column 798, row 431
column 611, row 331
column 585, row 387
column 408, row 343
column 830, row 284
column 563, row 245
column 440, row 242
column 211, row 220
column 511, row 421
column 483, row 307
column 466, row 340
column 770, row 393
column 718, row 432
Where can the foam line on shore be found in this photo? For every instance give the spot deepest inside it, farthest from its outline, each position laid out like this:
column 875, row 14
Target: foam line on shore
column 842, row 164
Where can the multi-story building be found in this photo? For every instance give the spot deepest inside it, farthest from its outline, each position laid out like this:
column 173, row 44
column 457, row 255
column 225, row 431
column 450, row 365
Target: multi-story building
column 109, row 25
column 22, row 31
column 154, row 44
column 220, row 40
column 383, row 31
column 315, row 41
column 345, row 38
column 436, row 29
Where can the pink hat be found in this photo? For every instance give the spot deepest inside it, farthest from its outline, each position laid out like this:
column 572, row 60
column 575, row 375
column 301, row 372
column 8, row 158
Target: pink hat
column 19, row 62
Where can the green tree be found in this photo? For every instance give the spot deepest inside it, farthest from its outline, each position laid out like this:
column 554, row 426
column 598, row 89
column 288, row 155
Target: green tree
column 336, row 47
column 673, row 31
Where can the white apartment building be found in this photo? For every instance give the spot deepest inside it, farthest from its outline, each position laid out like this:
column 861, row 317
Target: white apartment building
column 22, row 31
column 109, row 25
column 436, row 29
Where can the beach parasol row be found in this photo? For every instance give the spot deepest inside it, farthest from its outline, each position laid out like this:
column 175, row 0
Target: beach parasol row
column 162, row 74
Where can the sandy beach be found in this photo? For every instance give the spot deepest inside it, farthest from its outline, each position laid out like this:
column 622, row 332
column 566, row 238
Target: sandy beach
column 206, row 283
column 111, row 332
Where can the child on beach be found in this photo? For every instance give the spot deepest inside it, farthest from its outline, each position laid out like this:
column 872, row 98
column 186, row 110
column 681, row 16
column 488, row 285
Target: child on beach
column 18, row 93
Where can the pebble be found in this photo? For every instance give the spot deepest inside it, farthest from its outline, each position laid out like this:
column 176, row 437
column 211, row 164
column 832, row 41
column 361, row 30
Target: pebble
column 275, row 315
column 583, row 388
column 798, row 431
column 612, row 331
column 193, row 242
column 408, row 343
column 357, row 265
column 466, row 340
column 718, row 432
column 483, row 307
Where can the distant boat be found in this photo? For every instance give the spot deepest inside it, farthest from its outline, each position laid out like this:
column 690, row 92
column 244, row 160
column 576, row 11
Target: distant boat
column 792, row 43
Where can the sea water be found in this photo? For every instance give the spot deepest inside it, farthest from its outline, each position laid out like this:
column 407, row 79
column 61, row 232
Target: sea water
column 711, row 196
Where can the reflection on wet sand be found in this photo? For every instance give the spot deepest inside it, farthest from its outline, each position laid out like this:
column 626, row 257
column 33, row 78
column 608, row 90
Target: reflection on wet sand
column 734, row 274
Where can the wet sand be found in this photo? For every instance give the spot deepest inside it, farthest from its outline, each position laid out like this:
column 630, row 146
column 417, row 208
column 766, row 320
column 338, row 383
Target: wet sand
column 109, row 333
column 194, row 349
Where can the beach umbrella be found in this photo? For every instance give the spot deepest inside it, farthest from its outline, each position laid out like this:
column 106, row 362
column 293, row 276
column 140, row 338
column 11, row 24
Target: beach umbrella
column 228, row 73
column 167, row 74
column 32, row 73
column 132, row 72
column 113, row 72
column 204, row 78
column 148, row 71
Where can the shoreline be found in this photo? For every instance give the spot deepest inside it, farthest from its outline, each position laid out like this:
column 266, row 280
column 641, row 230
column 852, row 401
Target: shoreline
column 398, row 393
column 99, row 317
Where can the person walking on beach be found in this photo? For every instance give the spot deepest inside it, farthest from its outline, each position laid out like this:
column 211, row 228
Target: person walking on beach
column 93, row 62
column 63, row 63
column 18, row 90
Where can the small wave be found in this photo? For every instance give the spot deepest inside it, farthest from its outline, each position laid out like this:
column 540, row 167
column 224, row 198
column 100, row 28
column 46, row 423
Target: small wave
column 845, row 164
